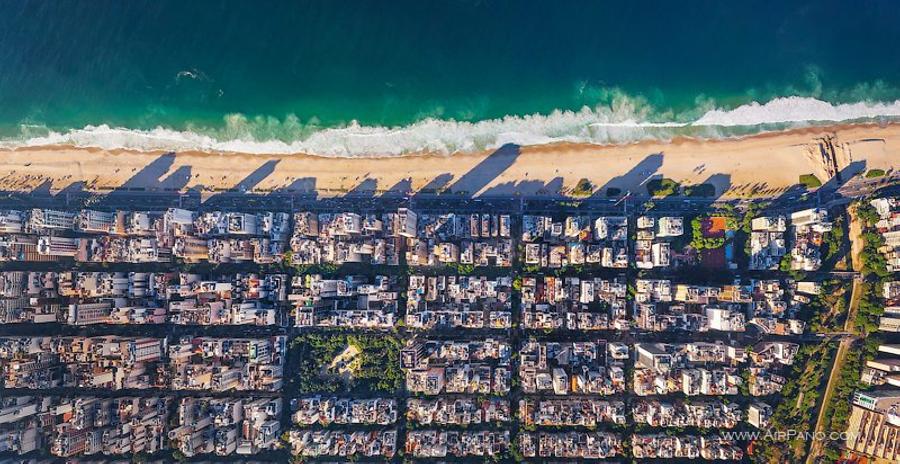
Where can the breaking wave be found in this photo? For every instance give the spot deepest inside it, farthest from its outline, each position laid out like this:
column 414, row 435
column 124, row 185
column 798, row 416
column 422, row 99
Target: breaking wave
column 623, row 120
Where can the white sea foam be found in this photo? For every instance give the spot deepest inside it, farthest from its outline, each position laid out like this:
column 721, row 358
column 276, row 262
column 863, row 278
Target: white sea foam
column 797, row 109
column 621, row 122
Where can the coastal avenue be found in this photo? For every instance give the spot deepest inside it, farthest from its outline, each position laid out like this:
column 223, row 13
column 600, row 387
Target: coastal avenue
column 286, row 202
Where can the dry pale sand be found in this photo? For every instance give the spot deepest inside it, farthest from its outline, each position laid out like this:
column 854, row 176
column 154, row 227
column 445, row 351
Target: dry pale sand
column 754, row 166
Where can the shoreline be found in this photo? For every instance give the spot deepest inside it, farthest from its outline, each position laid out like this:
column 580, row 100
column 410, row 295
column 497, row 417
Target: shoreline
column 586, row 125
column 758, row 165
column 675, row 141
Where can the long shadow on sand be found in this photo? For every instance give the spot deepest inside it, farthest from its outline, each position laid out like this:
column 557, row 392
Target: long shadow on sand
column 639, row 175
column 480, row 176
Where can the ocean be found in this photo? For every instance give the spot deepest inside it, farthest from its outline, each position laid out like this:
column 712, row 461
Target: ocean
column 364, row 78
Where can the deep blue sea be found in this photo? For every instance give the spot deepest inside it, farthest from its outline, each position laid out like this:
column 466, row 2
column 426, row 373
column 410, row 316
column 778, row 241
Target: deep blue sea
column 386, row 77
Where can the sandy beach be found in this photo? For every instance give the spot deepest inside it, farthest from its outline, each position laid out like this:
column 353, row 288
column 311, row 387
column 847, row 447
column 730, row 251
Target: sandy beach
column 757, row 166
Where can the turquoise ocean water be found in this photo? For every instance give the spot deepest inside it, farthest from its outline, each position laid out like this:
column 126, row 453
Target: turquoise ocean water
column 376, row 77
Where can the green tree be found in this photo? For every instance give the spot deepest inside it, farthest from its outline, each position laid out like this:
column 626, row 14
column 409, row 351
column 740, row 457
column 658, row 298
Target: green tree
column 583, row 188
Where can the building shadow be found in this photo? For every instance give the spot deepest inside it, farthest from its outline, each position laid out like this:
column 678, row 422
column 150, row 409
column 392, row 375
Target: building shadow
column 148, row 177
column 551, row 189
column 634, row 181
column 256, row 177
column 435, row 186
column 721, row 183
column 400, row 189
column 480, row 176
column 795, row 197
column 856, row 168
column 246, row 185
column 304, row 185
column 798, row 197
column 152, row 185
column 45, row 188
column 711, row 190
column 75, row 188
column 367, row 188
column 176, row 181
